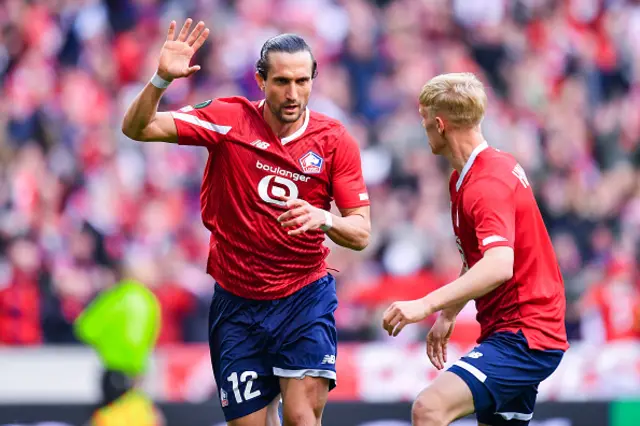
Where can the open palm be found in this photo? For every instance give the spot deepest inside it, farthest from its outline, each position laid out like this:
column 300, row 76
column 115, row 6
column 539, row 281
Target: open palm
column 176, row 55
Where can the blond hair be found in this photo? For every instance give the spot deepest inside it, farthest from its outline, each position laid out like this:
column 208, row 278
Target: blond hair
column 460, row 97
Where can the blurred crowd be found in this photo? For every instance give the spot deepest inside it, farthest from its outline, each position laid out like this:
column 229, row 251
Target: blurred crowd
column 82, row 206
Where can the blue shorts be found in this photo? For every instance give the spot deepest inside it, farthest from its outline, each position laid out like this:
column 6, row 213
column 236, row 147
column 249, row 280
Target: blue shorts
column 255, row 342
column 503, row 375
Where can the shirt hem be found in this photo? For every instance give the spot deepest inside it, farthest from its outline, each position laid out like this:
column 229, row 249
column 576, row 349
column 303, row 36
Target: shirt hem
column 531, row 343
column 291, row 288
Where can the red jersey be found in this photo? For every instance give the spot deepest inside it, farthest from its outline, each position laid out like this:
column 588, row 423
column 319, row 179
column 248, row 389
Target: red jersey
column 250, row 254
column 492, row 205
column 617, row 300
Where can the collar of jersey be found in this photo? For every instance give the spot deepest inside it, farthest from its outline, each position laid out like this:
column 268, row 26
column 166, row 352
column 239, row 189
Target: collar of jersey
column 477, row 150
column 298, row 132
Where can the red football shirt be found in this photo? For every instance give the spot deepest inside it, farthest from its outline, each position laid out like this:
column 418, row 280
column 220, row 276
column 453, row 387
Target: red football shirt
column 250, row 254
column 617, row 300
column 492, row 205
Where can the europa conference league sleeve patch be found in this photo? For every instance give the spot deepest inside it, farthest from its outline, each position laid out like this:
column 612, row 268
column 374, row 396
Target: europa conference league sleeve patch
column 202, row 104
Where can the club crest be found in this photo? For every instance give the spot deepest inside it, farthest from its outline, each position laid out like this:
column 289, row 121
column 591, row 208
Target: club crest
column 311, row 163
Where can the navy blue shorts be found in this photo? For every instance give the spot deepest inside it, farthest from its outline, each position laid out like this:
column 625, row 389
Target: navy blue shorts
column 503, row 375
column 255, row 342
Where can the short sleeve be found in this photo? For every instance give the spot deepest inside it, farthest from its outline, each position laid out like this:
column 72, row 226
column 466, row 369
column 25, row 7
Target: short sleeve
column 349, row 189
column 491, row 204
column 204, row 124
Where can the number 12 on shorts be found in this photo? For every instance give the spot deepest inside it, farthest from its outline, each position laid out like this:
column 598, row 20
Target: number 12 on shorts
column 246, row 377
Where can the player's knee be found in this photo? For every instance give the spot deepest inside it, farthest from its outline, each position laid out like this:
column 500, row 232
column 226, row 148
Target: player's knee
column 300, row 416
column 428, row 411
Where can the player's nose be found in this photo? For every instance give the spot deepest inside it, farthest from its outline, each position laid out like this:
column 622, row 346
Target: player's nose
column 292, row 92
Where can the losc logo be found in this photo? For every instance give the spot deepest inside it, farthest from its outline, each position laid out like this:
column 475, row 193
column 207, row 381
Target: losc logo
column 311, row 162
column 271, row 187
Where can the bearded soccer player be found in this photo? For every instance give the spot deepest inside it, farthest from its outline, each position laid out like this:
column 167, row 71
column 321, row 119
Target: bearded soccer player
column 273, row 169
column 509, row 269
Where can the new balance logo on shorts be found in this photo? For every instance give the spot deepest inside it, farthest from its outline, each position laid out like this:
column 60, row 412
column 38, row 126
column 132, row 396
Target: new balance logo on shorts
column 474, row 355
column 329, row 359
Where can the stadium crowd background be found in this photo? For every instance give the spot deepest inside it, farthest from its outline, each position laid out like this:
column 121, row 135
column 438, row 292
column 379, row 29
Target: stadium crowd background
column 82, row 206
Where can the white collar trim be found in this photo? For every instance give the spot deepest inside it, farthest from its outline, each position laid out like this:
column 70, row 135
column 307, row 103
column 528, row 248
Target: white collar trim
column 477, row 150
column 298, row 132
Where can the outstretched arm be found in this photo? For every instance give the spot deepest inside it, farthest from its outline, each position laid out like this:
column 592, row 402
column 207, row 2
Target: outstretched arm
column 494, row 269
column 142, row 121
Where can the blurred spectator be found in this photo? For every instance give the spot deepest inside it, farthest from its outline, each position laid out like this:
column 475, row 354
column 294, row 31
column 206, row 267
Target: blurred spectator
column 80, row 204
column 612, row 307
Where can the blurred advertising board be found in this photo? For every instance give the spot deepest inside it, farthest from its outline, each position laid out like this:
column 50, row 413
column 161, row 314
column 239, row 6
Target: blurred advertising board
column 336, row 414
column 69, row 375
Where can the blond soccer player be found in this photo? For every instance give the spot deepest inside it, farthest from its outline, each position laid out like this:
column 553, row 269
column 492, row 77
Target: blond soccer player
column 509, row 269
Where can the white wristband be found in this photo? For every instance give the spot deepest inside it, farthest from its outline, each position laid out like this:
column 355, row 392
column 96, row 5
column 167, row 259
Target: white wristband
column 328, row 221
column 159, row 82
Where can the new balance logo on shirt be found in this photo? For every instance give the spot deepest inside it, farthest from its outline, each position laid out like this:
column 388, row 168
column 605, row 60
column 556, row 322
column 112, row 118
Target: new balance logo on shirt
column 260, row 144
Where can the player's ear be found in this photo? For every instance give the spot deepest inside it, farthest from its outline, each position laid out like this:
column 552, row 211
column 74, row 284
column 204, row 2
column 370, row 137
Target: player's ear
column 440, row 125
column 260, row 81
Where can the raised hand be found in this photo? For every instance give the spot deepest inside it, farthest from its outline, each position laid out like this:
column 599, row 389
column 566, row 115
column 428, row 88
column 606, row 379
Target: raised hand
column 176, row 55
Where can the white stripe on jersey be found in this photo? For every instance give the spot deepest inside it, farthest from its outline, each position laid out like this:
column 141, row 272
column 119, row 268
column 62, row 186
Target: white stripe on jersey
column 493, row 239
column 205, row 124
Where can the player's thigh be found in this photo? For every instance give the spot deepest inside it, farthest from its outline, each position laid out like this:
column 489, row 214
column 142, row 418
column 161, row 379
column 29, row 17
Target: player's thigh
column 503, row 375
column 306, row 339
column 241, row 364
column 304, row 400
column 516, row 412
column 448, row 398
column 273, row 412
column 267, row 416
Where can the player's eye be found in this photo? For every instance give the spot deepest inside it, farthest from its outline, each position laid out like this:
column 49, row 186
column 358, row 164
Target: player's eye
column 281, row 81
column 303, row 81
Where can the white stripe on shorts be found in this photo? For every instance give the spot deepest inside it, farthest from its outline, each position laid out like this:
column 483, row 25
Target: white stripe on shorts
column 471, row 369
column 516, row 416
column 299, row 374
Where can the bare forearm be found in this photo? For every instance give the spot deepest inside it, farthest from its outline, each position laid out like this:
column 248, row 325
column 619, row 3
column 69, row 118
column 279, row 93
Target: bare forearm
column 452, row 312
column 351, row 231
column 142, row 112
column 484, row 277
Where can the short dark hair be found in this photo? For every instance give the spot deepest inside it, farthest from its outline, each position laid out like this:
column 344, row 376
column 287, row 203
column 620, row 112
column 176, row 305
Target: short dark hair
column 289, row 43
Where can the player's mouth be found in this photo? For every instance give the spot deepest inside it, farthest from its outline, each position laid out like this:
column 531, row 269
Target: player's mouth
column 290, row 108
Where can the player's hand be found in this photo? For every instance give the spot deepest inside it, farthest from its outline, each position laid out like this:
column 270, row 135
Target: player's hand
column 301, row 216
column 438, row 339
column 399, row 314
column 176, row 53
